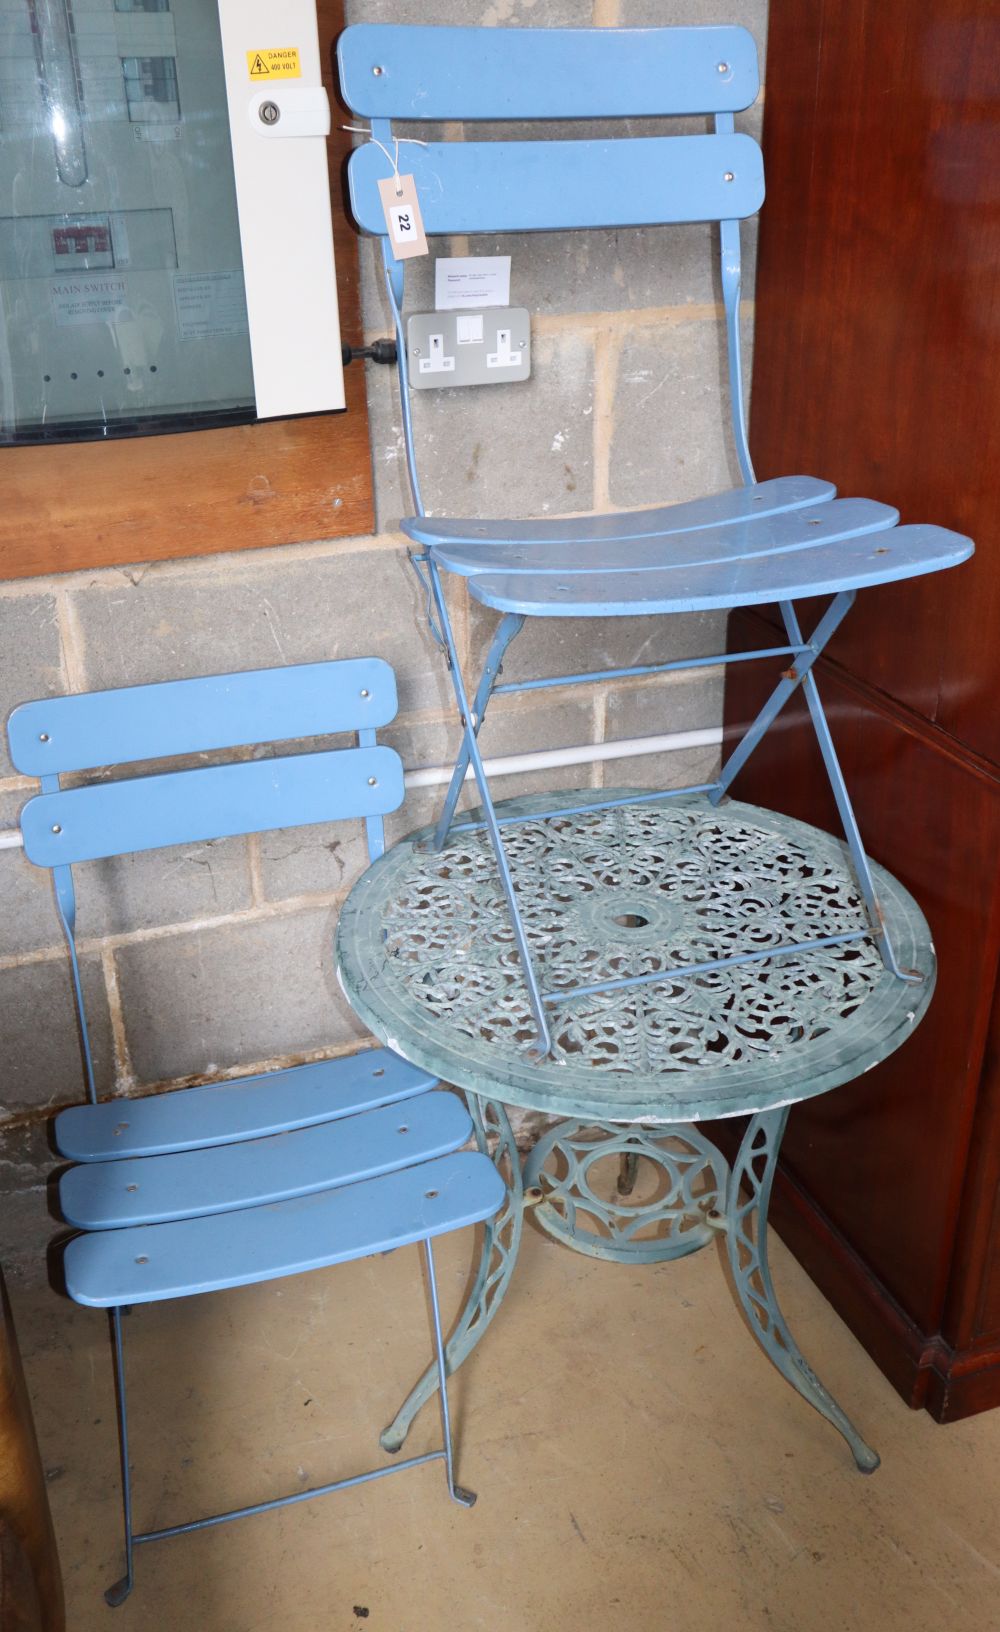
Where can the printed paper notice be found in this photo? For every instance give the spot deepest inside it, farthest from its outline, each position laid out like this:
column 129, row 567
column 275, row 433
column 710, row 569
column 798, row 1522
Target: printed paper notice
column 471, row 280
column 93, row 297
column 209, row 303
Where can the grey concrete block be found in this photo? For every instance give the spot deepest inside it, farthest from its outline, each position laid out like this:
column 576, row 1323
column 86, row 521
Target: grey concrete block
column 27, row 1221
column 323, row 857
column 233, row 994
column 508, row 13
column 688, row 703
column 28, row 918
column 513, row 729
column 162, row 887
column 688, row 768
column 239, row 613
column 548, row 646
column 422, row 806
column 122, row 893
column 376, row 312
column 40, row 1059
column 616, row 269
column 512, row 726
column 30, row 657
column 671, row 438
column 682, row 702
column 752, row 14
column 515, row 450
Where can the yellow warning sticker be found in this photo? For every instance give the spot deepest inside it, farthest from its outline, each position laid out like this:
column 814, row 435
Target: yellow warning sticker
column 281, row 63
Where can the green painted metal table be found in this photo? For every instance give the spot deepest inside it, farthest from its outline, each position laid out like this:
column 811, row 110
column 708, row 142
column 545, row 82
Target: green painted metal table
column 426, row 957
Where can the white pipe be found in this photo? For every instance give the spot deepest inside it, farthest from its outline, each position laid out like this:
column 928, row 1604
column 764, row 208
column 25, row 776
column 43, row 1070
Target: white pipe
column 587, row 753
column 542, row 759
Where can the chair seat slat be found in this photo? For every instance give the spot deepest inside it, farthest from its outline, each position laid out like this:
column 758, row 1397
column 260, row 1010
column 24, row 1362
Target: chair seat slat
column 215, row 711
column 153, row 1261
column 788, row 532
column 248, row 1108
column 428, row 72
column 718, row 510
column 471, row 187
column 181, row 807
column 157, row 1189
column 855, row 563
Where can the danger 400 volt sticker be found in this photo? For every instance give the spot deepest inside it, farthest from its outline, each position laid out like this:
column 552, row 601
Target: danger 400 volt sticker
column 281, row 62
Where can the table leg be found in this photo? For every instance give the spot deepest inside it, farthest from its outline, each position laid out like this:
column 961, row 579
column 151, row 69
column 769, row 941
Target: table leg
column 501, row 1240
column 746, row 1238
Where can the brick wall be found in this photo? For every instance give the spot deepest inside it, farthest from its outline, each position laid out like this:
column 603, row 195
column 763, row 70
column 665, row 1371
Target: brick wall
column 216, row 958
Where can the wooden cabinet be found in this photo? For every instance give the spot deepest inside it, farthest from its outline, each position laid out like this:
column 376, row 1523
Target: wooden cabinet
column 877, row 366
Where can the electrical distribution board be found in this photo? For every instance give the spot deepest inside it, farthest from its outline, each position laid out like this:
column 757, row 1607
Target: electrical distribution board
column 166, row 254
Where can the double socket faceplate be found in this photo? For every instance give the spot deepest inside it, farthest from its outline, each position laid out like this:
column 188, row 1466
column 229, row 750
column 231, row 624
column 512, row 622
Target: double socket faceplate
column 489, row 347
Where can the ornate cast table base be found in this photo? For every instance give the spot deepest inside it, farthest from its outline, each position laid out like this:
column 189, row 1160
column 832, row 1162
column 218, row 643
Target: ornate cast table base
column 698, row 1196
column 425, row 957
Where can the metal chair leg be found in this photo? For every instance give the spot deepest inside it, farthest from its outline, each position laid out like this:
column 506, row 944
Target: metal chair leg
column 543, row 1046
column 119, row 1592
column 465, row 1498
column 497, row 1258
column 509, row 626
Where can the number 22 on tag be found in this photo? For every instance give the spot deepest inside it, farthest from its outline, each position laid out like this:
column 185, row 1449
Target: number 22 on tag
column 402, row 216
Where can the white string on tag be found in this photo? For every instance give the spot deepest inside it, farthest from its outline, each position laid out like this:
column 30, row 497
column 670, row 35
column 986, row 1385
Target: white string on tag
column 362, row 130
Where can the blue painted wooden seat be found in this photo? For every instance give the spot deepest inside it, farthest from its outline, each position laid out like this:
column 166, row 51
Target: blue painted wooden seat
column 775, row 541
column 268, row 1175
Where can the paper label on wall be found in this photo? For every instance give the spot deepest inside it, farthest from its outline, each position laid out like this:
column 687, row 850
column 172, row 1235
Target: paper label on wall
column 93, row 297
column 402, row 216
column 209, row 303
column 471, row 280
column 280, row 62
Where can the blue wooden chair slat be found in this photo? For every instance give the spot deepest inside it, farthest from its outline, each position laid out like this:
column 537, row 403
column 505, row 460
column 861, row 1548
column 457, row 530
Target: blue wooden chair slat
column 224, row 1178
column 247, row 1108
column 854, row 563
column 472, row 187
column 214, row 802
column 428, row 72
column 718, row 510
column 217, row 711
column 274, row 1173
column 760, row 536
column 109, row 1268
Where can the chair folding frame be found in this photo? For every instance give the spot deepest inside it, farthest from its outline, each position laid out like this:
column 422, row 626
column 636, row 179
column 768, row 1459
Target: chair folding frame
column 773, row 542
column 190, row 1191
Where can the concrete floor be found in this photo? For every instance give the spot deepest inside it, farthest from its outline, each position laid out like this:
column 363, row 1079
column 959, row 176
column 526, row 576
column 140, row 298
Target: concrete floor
column 638, row 1462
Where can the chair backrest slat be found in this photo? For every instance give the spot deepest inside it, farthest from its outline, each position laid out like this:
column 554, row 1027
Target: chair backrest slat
column 422, row 72
column 61, row 734
column 472, row 187
column 218, row 801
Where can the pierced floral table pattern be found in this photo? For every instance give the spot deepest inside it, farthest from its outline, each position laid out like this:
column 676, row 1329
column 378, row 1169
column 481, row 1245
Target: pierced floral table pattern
column 427, row 958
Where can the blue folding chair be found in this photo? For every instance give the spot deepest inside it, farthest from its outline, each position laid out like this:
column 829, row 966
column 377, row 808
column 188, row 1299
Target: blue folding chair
column 223, row 1186
column 773, row 541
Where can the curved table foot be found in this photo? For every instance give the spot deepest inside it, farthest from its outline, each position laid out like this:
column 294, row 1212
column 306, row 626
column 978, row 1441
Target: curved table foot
column 501, row 1241
column 746, row 1238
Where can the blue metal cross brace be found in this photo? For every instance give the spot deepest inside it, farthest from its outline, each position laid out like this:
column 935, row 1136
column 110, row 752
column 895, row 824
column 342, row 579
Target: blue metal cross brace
column 804, row 653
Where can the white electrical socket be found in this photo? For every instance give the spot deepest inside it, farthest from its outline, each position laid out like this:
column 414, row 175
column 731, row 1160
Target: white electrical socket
column 437, row 362
column 503, row 357
column 453, row 347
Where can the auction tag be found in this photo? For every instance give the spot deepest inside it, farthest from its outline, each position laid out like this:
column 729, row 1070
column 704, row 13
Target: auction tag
column 402, row 216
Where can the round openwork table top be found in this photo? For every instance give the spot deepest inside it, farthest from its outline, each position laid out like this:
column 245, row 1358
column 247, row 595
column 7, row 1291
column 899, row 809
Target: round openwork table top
column 426, row 957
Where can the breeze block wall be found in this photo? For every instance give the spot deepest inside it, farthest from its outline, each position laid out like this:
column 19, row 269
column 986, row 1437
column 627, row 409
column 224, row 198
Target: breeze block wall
column 215, row 960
